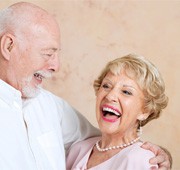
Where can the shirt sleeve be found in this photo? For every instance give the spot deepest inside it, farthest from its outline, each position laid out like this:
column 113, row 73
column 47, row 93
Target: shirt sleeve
column 75, row 127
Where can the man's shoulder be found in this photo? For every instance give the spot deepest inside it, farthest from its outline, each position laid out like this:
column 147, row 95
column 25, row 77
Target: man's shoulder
column 48, row 97
column 43, row 98
column 45, row 94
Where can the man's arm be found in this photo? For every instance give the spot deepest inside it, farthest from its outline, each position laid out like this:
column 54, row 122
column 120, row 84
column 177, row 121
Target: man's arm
column 162, row 156
column 75, row 127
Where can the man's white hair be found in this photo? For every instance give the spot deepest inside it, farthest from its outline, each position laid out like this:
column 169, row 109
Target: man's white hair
column 21, row 19
column 12, row 23
column 6, row 20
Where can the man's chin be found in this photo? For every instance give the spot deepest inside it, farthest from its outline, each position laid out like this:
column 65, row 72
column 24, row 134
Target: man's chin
column 28, row 92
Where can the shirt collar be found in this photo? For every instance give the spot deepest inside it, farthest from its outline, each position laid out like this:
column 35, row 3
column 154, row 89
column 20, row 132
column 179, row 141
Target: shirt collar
column 8, row 93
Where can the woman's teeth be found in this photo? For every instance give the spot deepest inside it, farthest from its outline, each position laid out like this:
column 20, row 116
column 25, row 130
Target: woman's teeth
column 107, row 110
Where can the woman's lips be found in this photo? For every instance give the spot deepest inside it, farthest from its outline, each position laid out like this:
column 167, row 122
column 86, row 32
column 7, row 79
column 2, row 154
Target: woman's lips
column 110, row 113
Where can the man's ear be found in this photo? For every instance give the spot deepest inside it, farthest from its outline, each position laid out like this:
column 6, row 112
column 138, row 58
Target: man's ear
column 7, row 43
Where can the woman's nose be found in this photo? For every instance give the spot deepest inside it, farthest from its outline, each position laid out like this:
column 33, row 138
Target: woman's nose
column 112, row 96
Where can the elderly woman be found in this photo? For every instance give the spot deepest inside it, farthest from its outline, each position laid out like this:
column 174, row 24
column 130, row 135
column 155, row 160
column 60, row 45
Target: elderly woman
column 130, row 92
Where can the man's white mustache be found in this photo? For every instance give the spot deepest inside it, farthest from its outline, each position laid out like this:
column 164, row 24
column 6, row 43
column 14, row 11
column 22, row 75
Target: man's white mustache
column 45, row 74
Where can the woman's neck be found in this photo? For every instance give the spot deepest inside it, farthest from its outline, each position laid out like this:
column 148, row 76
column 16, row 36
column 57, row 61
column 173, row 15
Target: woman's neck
column 117, row 139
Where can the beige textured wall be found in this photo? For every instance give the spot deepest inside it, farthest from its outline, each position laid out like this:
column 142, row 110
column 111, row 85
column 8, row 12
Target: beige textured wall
column 96, row 31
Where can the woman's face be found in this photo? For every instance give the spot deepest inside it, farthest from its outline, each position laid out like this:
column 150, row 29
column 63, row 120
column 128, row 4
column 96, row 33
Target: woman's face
column 119, row 103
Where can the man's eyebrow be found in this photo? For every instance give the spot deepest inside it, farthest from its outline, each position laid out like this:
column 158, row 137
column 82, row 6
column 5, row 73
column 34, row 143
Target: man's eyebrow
column 51, row 49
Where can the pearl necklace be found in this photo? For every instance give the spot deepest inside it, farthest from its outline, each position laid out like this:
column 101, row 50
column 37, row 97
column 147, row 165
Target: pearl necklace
column 116, row 147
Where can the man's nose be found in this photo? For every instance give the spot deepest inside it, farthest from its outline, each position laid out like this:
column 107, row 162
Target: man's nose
column 54, row 63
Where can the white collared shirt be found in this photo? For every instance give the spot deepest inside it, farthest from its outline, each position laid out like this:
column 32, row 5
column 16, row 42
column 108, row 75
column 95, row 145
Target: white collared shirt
column 33, row 133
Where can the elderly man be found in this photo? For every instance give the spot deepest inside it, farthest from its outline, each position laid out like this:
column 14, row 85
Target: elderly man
column 35, row 125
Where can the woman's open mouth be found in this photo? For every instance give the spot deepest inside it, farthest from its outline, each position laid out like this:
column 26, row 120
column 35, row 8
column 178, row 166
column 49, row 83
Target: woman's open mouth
column 110, row 114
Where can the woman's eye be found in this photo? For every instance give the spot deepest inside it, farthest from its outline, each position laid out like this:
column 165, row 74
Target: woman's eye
column 127, row 92
column 105, row 86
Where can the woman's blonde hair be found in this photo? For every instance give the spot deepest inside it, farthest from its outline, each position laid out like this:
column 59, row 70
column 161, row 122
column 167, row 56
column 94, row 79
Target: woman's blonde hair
column 147, row 77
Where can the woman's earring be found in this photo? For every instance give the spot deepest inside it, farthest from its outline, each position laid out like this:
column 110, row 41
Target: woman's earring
column 139, row 130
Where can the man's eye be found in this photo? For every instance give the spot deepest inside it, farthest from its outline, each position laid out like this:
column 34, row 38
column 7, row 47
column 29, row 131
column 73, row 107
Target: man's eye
column 126, row 92
column 49, row 55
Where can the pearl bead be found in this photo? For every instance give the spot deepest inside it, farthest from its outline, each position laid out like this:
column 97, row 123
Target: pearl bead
column 116, row 147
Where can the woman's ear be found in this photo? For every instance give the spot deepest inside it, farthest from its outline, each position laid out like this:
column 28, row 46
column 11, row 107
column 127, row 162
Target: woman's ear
column 143, row 116
column 7, row 43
